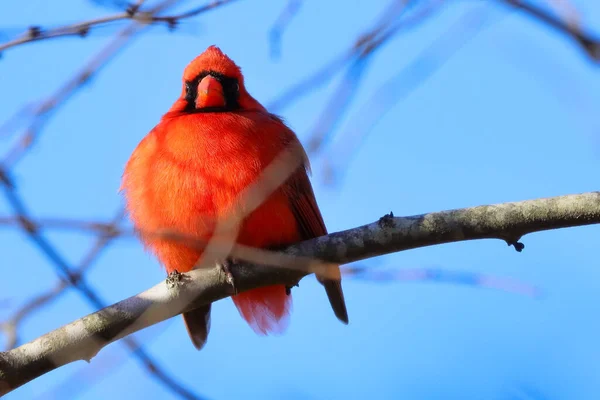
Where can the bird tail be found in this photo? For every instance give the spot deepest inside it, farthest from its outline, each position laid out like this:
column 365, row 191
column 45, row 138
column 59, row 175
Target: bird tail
column 266, row 309
column 332, row 282
column 197, row 323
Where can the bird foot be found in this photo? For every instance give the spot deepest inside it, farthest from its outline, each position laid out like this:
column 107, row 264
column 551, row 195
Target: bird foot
column 226, row 268
column 174, row 279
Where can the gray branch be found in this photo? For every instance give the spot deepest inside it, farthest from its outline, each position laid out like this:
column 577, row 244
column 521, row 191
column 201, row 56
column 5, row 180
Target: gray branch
column 84, row 338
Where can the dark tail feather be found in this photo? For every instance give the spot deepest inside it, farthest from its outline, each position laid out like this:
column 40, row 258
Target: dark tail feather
column 197, row 323
column 336, row 299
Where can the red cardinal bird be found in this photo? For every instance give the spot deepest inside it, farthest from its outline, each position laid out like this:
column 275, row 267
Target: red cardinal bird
column 191, row 170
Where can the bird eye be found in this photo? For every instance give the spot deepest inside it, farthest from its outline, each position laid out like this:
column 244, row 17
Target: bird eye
column 237, row 86
column 190, row 92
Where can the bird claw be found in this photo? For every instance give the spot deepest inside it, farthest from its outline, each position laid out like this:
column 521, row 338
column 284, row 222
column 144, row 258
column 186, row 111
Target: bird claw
column 226, row 268
column 174, row 279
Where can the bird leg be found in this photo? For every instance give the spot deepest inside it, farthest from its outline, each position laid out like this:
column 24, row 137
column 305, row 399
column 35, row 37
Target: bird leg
column 226, row 268
column 174, row 279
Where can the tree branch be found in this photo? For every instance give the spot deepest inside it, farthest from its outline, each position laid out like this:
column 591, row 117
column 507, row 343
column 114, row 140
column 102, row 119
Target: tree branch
column 82, row 339
column 82, row 29
column 589, row 42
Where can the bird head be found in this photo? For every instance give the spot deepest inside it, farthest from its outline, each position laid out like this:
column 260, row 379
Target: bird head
column 212, row 82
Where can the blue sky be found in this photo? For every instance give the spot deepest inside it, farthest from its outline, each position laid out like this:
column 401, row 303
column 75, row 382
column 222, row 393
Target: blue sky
column 510, row 116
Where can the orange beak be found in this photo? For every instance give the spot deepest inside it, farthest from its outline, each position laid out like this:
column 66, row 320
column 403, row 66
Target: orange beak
column 210, row 93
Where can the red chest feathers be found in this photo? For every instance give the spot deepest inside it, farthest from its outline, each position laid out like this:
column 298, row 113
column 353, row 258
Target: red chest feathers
column 192, row 170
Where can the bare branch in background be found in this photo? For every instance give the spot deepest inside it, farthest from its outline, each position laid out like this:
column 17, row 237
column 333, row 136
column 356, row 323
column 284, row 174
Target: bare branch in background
column 80, row 29
column 282, row 22
column 83, row 29
column 365, row 45
column 415, row 74
column 389, row 25
column 172, row 20
column 11, row 325
column 399, row 86
column 114, row 4
column 71, row 276
column 589, row 43
column 101, row 229
column 383, row 31
column 568, row 12
column 82, row 339
column 441, row 275
column 41, row 113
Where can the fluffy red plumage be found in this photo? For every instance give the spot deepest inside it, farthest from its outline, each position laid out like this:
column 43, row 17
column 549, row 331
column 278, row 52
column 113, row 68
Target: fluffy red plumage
column 192, row 169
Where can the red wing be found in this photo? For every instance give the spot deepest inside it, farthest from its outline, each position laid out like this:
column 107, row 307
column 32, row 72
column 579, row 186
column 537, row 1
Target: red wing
column 299, row 190
column 304, row 206
column 310, row 223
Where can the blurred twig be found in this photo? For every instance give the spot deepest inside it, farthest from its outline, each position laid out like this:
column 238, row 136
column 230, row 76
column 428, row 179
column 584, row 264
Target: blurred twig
column 172, row 20
column 399, row 86
column 97, row 228
column 82, row 29
column 114, row 4
column 588, row 42
column 388, row 26
column 568, row 12
column 11, row 325
column 73, row 278
column 440, row 275
column 364, row 46
column 40, row 113
column 410, row 78
column 43, row 111
column 282, row 22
